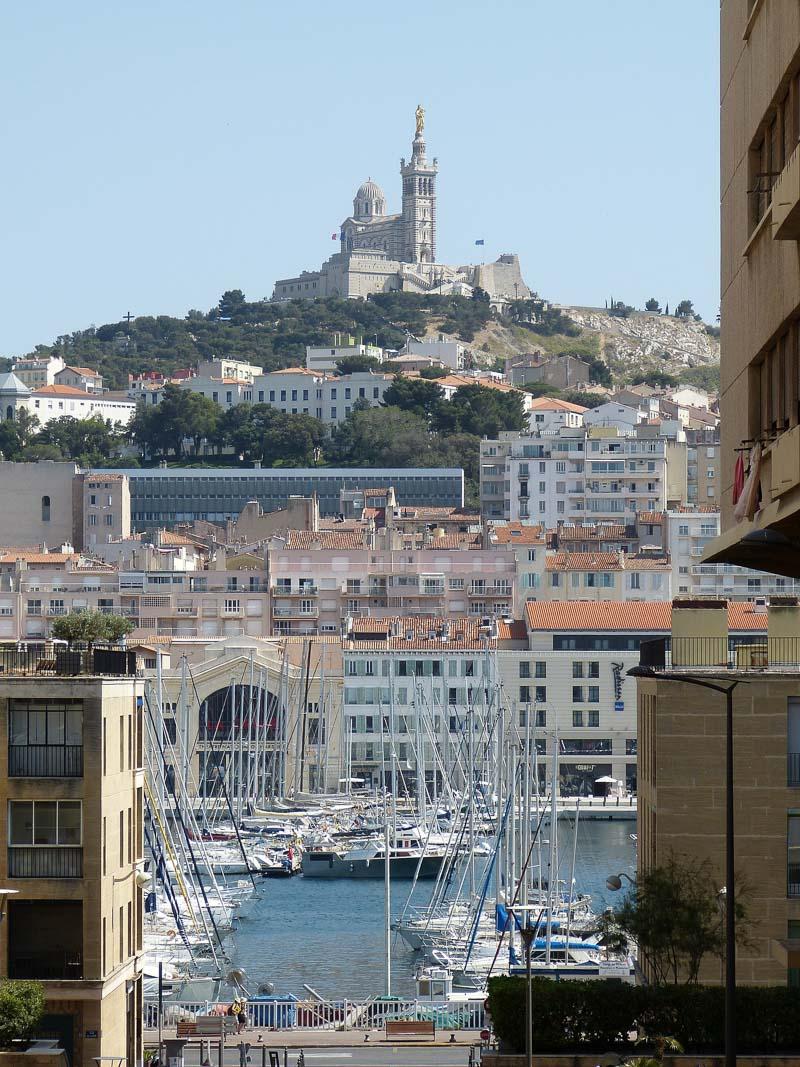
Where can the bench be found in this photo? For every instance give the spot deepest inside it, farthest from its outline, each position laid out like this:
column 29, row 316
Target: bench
column 410, row 1028
column 207, row 1026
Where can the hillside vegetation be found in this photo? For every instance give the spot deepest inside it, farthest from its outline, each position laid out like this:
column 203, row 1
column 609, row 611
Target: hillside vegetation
column 275, row 335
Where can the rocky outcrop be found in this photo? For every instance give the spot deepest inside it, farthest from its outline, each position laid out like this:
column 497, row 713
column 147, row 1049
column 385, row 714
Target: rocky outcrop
column 644, row 339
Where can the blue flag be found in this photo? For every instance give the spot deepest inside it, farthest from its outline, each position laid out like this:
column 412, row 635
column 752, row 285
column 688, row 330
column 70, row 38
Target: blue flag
column 481, row 242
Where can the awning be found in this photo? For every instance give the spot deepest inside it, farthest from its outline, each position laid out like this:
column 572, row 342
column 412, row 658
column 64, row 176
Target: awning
column 760, row 549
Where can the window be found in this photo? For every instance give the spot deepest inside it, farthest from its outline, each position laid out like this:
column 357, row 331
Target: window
column 44, row 838
column 109, row 520
column 577, row 669
column 531, row 555
column 525, row 694
column 93, row 520
column 524, row 668
column 45, row 739
column 45, row 509
column 541, row 669
column 577, row 718
column 577, row 694
column 540, row 695
column 594, row 669
column 594, row 718
column 793, row 855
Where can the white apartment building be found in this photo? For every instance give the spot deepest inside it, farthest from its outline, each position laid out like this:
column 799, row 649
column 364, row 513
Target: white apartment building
column 550, row 413
column 329, row 398
column 35, row 372
column 688, row 531
column 579, row 474
column 48, row 402
column 446, row 350
column 606, row 576
column 323, row 359
column 228, row 368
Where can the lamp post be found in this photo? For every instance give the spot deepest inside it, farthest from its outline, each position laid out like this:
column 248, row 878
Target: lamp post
column 730, row 910
column 527, row 933
column 614, row 881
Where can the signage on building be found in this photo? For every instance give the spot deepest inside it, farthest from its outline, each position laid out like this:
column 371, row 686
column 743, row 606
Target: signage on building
column 616, row 673
column 619, row 705
column 92, row 1033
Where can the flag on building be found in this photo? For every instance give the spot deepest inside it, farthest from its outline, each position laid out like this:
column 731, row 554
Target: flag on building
column 481, row 242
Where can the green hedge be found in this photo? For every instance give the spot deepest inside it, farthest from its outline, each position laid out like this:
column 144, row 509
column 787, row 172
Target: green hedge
column 597, row 1016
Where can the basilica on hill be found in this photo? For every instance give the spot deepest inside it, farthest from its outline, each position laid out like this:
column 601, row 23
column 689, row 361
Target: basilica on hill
column 380, row 253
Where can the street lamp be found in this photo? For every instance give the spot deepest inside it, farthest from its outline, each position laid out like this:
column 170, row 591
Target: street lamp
column 527, row 933
column 614, row 881
column 730, row 910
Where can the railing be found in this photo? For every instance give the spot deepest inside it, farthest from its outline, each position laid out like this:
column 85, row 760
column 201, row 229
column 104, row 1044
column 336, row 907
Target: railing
column 793, row 768
column 45, row 761
column 328, row 1015
column 50, row 965
column 724, row 653
column 63, row 661
column 793, row 880
column 40, row 861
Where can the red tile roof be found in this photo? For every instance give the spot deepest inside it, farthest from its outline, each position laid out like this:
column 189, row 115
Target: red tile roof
column 302, row 540
column 652, row 518
column 552, row 403
column 583, row 561
column 635, row 616
column 516, row 533
column 63, row 390
column 592, row 533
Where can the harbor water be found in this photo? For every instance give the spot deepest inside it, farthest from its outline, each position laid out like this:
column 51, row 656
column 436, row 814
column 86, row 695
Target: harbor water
column 329, row 933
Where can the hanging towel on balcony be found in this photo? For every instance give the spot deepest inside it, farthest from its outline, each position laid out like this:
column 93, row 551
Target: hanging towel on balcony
column 750, row 498
column 738, row 478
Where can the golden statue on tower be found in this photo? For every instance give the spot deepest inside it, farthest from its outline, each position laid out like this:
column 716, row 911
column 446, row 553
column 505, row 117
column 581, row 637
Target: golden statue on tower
column 419, row 114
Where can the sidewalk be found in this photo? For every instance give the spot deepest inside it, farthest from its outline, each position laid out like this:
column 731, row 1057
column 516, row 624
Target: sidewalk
column 297, row 1038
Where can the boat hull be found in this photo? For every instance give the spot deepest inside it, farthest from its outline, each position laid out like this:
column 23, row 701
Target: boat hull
column 399, row 867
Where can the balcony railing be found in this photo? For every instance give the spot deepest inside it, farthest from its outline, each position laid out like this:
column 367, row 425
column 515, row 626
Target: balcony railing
column 45, row 761
column 793, row 880
column 779, row 655
column 793, row 768
column 52, row 965
column 45, row 861
column 64, row 661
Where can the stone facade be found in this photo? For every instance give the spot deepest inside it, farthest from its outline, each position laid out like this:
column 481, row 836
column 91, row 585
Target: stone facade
column 380, row 253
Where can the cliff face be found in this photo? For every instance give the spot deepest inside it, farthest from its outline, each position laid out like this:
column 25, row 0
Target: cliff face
column 642, row 340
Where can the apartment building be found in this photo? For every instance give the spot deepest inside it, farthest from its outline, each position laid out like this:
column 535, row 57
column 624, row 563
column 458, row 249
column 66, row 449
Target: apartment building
column 318, row 579
column 323, row 359
column 689, row 532
column 35, row 372
column 607, row 576
column 329, row 398
column 578, row 474
column 79, row 378
column 760, row 219
column 550, row 413
column 106, row 510
column 71, row 780
column 703, row 466
column 682, row 779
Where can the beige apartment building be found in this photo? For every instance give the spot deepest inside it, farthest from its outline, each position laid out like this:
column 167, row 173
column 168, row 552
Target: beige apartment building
column 760, row 99
column 71, row 785
column 681, row 739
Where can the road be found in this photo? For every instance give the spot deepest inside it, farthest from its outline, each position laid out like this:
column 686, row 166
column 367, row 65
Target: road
column 364, row 1055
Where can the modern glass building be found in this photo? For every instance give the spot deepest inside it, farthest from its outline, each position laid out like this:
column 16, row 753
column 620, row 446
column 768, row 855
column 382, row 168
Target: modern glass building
column 162, row 496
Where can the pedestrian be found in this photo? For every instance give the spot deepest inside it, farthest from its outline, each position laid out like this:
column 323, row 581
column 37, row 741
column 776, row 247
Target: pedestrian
column 242, row 1016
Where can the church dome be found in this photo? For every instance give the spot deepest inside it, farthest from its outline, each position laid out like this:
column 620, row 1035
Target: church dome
column 369, row 200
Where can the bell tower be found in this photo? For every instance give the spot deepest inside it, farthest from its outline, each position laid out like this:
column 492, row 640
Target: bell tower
column 419, row 200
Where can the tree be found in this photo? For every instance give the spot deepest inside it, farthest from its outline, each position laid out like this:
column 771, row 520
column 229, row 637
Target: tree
column 11, row 443
column 21, row 1008
column 685, row 310
column 599, row 373
column 180, row 414
column 418, row 395
column 356, row 364
column 653, row 305
column 90, row 626
column 230, row 302
column 481, row 410
column 384, row 436
column 673, row 914
column 585, row 399
column 89, row 441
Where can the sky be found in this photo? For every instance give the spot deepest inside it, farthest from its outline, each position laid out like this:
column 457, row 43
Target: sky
column 159, row 153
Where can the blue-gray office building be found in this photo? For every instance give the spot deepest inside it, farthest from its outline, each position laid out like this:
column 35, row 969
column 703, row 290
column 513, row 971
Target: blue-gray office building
column 162, row 496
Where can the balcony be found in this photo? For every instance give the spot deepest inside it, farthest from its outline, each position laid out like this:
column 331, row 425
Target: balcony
column 45, row 861
column 793, row 880
column 231, row 613
column 47, row 965
column 68, row 662
column 793, row 769
column 295, row 612
column 45, row 761
column 777, row 655
column 786, row 201
column 300, row 590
